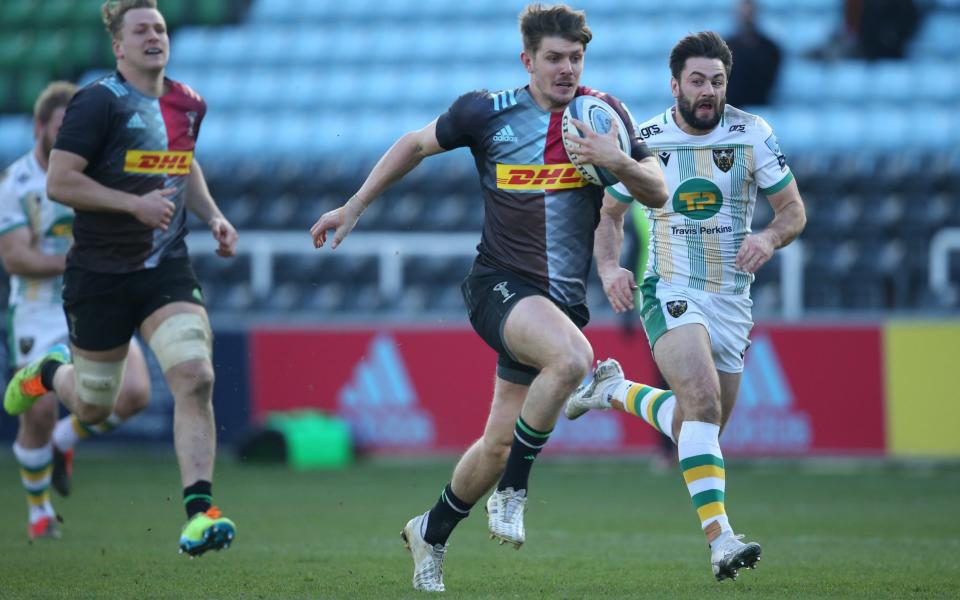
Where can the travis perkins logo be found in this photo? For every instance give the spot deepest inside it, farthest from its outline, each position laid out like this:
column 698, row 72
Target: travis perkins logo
column 676, row 308
column 723, row 158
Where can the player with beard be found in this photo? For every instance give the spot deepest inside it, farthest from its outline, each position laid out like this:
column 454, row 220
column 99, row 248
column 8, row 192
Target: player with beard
column 696, row 306
column 526, row 293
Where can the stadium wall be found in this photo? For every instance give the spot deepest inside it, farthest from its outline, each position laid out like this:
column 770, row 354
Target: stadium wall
column 875, row 390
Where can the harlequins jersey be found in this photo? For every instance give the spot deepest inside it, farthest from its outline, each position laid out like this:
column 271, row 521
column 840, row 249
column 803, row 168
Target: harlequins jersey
column 136, row 144
column 540, row 213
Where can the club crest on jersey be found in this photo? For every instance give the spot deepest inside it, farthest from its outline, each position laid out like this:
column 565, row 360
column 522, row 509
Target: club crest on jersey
column 676, row 308
column 723, row 158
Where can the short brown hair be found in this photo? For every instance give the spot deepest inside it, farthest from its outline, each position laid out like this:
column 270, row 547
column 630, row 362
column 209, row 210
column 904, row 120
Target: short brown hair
column 112, row 12
column 55, row 95
column 538, row 21
column 705, row 44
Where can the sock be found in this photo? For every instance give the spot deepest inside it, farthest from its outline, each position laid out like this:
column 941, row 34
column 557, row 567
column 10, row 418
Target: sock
column 69, row 430
column 704, row 473
column 444, row 516
column 197, row 498
column 527, row 444
column 653, row 405
column 36, row 465
column 47, row 371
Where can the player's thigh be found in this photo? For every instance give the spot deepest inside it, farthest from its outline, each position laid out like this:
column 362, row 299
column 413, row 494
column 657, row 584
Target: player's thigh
column 731, row 321
column 729, row 389
column 100, row 315
column 508, row 399
column 684, row 358
column 537, row 332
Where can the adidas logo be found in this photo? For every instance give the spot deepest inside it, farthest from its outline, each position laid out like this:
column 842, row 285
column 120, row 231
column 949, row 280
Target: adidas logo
column 766, row 419
column 505, row 135
column 380, row 401
column 136, row 122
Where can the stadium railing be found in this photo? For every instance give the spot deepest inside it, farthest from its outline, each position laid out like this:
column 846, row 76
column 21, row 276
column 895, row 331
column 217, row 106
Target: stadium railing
column 392, row 249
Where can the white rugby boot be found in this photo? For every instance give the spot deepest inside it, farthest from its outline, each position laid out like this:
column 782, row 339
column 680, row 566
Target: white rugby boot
column 729, row 554
column 427, row 559
column 505, row 516
column 591, row 396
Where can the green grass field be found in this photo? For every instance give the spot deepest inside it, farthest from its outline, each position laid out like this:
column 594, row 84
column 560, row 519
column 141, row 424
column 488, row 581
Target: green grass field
column 596, row 529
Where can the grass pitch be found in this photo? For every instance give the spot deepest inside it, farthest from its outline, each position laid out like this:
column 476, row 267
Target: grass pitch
column 596, row 529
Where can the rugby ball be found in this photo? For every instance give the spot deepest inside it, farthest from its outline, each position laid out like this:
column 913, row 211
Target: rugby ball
column 599, row 116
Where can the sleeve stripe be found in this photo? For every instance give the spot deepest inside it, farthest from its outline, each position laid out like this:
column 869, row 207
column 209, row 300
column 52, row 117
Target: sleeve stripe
column 773, row 189
column 620, row 196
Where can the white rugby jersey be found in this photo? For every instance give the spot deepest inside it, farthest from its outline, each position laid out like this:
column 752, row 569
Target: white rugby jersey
column 24, row 203
column 712, row 182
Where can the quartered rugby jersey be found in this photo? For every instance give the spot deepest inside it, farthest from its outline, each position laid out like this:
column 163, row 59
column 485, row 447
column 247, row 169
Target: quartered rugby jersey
column 540, row 212
column 24, row 203
column 133, row 143
column 712, row 181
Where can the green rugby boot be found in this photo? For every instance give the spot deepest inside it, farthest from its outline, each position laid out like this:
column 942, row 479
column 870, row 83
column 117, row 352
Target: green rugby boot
column 207, row 531
column 25, row 386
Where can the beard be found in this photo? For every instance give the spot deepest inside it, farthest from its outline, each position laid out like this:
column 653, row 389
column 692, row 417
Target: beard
column 689, row 113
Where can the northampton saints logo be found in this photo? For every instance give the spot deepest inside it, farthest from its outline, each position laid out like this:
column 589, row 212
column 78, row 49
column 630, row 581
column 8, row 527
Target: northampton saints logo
column 676, row 308
column 723, row 158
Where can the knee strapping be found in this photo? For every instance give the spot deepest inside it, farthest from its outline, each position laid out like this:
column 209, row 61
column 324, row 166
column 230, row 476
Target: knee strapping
column 98, row 383
column 182, row 337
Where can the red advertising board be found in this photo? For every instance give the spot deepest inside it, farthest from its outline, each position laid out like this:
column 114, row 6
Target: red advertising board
column 429, row 390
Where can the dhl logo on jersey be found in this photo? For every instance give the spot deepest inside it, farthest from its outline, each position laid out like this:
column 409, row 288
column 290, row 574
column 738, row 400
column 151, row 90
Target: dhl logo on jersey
column 539, row 177
column 166, row 162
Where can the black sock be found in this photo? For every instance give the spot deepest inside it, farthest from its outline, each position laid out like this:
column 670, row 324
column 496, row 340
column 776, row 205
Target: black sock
column 444, row 516
column 527, row 444
column 47, row 371
column 197, row 498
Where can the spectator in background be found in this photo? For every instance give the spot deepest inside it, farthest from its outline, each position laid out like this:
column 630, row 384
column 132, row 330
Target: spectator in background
column 884, row 27
column 757, row 58
column 878, row 29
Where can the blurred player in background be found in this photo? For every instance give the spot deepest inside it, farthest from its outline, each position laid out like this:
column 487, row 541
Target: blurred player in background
column 696, row 294
column 124, row 162
column 526, row 293
column 35, row 235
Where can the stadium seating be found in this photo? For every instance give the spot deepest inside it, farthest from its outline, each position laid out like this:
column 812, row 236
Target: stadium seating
column 303, row 97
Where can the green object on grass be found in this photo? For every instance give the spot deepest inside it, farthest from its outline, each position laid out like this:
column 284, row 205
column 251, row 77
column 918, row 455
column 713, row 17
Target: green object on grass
column 314, row 440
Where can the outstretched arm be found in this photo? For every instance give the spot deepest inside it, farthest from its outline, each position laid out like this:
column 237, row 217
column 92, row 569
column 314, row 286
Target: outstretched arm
column 618, row 283
column 405, row 154
column 788, row 221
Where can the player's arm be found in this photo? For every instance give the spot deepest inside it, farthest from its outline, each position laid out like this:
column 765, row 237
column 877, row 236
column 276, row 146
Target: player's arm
column 200, row 202
column 789, row 219
column 22, row 257
column 642, row 178
column 618, row 283
column 68, row 184
column 405, row 154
